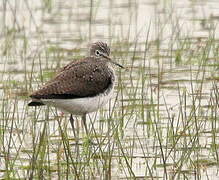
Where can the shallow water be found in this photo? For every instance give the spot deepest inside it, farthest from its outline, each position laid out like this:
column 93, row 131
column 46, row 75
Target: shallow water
column 162, row 123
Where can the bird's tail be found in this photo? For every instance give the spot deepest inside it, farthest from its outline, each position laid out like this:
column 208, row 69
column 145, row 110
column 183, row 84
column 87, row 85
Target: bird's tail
column 35, row 103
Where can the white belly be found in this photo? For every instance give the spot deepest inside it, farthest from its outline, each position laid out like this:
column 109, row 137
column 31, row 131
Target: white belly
column 80, row 106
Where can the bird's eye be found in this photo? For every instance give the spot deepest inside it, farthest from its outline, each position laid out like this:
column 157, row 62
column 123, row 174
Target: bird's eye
column 97, row 53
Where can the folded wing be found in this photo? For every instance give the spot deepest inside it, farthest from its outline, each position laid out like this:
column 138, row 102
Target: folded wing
column 77, row 80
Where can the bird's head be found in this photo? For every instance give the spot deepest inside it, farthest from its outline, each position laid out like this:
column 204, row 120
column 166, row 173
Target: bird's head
column 101, row 50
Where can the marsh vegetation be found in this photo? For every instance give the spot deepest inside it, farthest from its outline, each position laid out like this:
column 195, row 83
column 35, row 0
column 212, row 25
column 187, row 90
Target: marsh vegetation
column 163, row 122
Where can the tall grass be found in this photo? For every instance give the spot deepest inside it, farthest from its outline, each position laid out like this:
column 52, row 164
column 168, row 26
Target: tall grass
column 162, row 123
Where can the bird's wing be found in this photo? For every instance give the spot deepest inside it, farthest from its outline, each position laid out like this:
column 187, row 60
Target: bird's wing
column 82, row 79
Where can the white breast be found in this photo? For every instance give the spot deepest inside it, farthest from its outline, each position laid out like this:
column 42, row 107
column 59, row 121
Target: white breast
column 80, row 106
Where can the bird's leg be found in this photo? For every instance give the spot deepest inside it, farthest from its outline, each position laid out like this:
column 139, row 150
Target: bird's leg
column 86, row 129
column 72, row 124
column 76, row 137
column 84, row 122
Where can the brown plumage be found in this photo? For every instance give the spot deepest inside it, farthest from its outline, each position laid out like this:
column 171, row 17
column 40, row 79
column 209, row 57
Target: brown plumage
column 85, row 78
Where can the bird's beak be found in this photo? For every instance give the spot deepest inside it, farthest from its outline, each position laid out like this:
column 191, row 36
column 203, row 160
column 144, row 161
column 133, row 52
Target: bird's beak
column 113, row 62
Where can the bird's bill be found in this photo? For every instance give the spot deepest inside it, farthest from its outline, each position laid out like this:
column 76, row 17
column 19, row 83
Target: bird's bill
column 113, row 62
column 117, row 64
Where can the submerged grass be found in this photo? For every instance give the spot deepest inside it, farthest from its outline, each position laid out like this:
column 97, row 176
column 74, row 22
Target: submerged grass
column 162, row 124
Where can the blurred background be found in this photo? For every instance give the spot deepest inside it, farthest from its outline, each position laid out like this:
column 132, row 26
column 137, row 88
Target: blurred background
column 162, row 123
